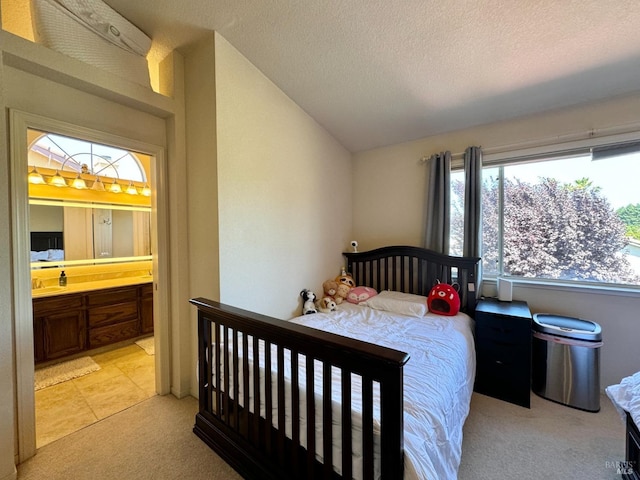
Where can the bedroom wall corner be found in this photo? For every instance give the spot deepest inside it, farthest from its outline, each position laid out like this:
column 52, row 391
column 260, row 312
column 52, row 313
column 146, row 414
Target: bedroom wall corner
column 202, row 169
column 200, row 219
column 284, row 192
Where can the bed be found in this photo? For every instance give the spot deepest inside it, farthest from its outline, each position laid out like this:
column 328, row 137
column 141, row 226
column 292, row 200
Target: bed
column 625, row 397
column 47, row 246
column 365, row 374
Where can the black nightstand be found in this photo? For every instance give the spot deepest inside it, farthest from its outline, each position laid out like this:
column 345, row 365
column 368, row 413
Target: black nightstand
column 503, row 350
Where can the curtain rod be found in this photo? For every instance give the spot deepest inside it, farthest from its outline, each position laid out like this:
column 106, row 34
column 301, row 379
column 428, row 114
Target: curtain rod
column 556, row 139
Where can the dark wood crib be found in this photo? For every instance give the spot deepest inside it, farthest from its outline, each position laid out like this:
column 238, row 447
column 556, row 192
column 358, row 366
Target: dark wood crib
column 235, row 345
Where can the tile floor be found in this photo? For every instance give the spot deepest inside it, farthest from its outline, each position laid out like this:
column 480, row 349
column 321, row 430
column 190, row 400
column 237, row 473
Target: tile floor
column 126, row 377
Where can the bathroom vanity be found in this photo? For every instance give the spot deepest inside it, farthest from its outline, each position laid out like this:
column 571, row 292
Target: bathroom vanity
column 72, row 320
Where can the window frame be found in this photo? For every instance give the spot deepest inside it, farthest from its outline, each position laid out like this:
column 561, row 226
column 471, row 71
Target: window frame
column 505, row 156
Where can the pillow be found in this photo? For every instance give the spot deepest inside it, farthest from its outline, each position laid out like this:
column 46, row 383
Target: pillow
column 398, row 302
column 360, row 294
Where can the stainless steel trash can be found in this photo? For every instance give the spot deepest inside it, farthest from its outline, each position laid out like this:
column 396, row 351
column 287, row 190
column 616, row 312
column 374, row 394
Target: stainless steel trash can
column 566, row 360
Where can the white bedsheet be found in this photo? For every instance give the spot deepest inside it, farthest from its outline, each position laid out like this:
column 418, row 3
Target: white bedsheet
column 438, row 383
column 438, row 379
column 626, row 397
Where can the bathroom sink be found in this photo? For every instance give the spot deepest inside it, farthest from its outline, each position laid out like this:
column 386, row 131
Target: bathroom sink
column 51, row 289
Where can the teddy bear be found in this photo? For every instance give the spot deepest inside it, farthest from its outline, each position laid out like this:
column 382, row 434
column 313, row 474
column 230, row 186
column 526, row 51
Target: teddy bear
column 308, row 299
column 330, row 288
column 345, row 284
column 326, row 305
column 342, row 293
column 346, row 279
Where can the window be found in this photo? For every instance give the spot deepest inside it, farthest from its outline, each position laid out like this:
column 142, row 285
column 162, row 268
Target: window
column 81, row 156
column 570, row 217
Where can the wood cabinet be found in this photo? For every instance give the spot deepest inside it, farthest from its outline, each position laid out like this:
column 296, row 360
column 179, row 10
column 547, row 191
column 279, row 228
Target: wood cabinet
column 503, row 350
column 146, row 308
column 59, row 327
column 72, row 323
column 112, row 315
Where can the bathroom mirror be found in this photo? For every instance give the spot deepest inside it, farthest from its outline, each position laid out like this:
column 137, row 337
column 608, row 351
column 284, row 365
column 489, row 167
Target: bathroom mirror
column 75, row 233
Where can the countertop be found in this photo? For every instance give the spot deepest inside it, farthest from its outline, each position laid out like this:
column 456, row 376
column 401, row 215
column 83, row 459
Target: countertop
column 88, row 286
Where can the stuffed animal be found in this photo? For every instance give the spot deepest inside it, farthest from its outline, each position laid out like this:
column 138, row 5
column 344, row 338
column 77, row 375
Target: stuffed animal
column 330, row 288
column 443, row 299
column 326, row 305
column 308, row 299
column 360, row 294
column 345, row 284
column 345, row 279
column 342, row 293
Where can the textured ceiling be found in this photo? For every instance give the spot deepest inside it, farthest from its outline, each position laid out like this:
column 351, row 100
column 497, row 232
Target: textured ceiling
column 379, row 72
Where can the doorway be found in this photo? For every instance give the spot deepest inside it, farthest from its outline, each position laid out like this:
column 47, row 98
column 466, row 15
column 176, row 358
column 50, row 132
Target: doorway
column 89, row 216
column 21, row 123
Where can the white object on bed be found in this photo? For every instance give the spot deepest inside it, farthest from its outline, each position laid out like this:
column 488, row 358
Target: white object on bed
column 51, row 255
column 438, row 383
column 398, row 302
column 626, row 397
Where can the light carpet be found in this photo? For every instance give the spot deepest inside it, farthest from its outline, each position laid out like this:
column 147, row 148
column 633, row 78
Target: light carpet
column 153, row 440
column 148, row 345
column 61, row 372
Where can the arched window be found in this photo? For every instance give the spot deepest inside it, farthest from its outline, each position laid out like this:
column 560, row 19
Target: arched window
column 62, row 153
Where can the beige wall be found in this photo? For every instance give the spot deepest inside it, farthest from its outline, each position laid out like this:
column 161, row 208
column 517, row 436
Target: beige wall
column 284, row 188
column 202, row 192
column 388, row 199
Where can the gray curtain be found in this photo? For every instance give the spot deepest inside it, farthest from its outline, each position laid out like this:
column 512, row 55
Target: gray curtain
column 472, row 244
column 438, row 204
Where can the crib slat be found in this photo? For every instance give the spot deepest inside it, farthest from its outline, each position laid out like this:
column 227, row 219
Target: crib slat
column 236, row 382
column 225, row 384
column 245, row 385
column 295, row 412
column 327, row 421
column 347, row 467
column 281, row 408
column 214, row 356
column 256, row 391
column 367, row 427
column 311, row 419
column 268, row 397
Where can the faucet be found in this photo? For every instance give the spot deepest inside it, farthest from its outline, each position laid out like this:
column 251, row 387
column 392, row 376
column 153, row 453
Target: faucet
column 36, row 283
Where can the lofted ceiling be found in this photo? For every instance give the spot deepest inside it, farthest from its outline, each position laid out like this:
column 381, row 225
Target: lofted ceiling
column 380, row 72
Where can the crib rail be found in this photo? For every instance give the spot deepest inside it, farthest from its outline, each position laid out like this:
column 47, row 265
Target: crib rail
column 231, row 343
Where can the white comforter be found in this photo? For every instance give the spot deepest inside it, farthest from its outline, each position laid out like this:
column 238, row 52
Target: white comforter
column 626, row 397
column 438, row 379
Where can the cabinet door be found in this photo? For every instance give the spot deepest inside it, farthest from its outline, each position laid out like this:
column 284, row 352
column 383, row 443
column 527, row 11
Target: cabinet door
column 64, row 333
column 38, row 340
column 146, row 309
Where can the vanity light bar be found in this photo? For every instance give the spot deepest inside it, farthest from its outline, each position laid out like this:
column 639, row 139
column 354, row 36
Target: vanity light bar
column 57, row 180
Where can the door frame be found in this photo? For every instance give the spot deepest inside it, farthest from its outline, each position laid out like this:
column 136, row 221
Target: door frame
column 19, row 122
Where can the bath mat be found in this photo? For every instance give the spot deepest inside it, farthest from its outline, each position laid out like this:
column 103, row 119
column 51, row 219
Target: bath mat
column 61, row 372
column 147, row 344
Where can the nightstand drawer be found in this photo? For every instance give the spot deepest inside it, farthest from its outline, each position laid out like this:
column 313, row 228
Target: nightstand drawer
column 501, row 382
column 503, row 329
column 505, row 353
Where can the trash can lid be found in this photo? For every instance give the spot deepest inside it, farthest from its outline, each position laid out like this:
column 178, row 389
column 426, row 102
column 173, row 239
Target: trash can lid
column 569, row 327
